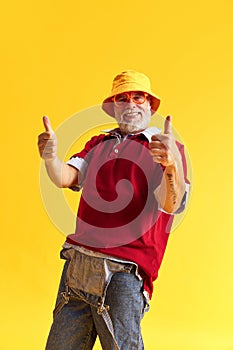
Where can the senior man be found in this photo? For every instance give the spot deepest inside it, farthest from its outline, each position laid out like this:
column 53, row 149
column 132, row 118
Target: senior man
column 133, row 180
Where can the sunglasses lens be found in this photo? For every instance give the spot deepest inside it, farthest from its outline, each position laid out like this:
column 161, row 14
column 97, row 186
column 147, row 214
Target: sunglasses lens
column 121, row 98
column 137, row 97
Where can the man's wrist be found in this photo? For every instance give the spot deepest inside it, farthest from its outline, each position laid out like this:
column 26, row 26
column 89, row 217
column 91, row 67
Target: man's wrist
column 175, row 164
column 49, row 161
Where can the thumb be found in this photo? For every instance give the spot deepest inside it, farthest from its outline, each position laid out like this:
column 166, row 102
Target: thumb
column 168, row 125
column 47, row 125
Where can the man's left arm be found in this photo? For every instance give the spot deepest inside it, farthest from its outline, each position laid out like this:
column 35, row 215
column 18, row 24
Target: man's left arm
column 164, row 150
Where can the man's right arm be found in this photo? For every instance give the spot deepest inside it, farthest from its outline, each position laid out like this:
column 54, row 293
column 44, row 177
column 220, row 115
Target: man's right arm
column 61, row 174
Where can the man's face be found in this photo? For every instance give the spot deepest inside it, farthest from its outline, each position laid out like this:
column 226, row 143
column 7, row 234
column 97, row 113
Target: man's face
column 131, row 115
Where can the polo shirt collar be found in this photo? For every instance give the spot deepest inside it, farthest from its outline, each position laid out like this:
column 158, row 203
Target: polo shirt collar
column 148, row 133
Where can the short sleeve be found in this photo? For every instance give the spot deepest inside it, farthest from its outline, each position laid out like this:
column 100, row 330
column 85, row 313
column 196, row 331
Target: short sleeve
column 81, row 160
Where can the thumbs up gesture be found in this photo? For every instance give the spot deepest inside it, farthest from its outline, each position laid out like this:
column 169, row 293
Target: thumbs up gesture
column 47, row 141
column 163, row 147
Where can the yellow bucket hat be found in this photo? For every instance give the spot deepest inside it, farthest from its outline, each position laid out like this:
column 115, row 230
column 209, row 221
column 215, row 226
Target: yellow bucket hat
column 130, row 81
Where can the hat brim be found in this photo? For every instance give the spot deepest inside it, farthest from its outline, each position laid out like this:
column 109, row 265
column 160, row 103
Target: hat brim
column 108, row 104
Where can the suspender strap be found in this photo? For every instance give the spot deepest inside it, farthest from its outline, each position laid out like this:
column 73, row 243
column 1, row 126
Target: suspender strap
column 104, row 312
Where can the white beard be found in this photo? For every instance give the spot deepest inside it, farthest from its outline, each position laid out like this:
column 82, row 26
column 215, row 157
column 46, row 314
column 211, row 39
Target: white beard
column 134, row 126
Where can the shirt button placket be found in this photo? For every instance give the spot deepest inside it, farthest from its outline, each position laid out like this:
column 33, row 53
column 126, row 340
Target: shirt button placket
column 115, row 150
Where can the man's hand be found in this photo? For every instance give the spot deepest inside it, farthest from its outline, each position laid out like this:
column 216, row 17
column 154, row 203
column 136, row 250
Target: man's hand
column 47, row 142
column 163, row 147
column 62, row 174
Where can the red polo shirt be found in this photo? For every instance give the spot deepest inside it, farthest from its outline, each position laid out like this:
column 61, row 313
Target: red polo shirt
column 118, row 214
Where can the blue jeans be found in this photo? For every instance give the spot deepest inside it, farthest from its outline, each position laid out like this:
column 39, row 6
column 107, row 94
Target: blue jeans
column 77, row 324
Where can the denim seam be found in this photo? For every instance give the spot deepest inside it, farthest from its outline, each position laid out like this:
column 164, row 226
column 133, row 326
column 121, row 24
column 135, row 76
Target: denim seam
column 102, row 310
column 88, row 337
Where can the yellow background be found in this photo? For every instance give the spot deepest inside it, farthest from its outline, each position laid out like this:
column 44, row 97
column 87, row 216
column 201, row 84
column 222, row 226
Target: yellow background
column 60, row 57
